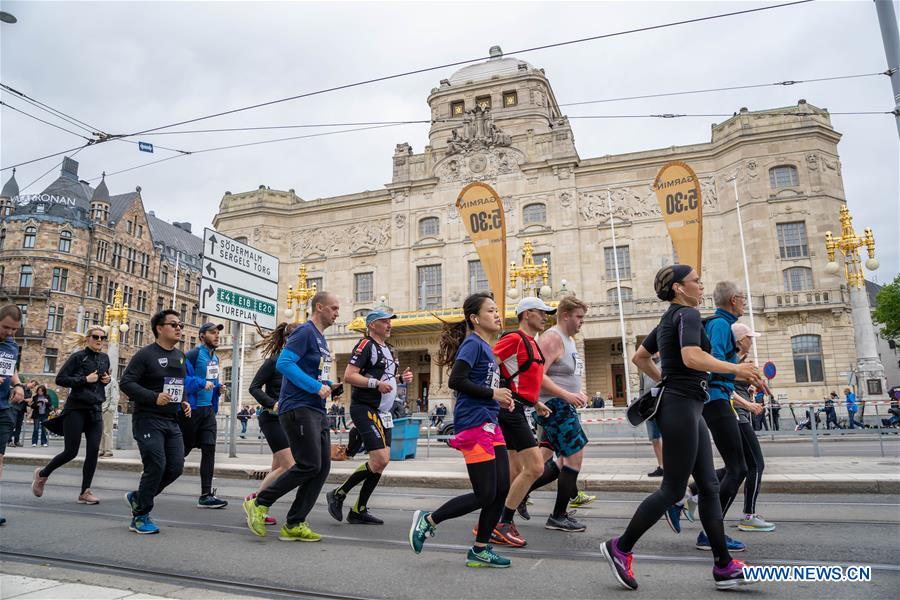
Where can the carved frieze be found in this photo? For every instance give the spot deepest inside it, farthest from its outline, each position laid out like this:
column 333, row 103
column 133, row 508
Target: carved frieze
column 479, row 165
column 635, row 202
column 336, row 241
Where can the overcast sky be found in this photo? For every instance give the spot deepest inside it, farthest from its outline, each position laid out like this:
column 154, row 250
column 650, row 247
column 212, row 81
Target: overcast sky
column 128, row 66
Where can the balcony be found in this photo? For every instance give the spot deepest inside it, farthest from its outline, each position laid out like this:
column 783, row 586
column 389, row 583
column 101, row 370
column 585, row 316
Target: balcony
column 13, row 293
column 29, row 333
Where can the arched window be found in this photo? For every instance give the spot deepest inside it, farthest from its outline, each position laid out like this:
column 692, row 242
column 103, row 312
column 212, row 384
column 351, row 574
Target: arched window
column 534, row 213
column 798, row 279
column 65, row 241
column 429, row 227
column 2, row 237
column 612, row 296
column 30, row 235
column 783, row 176
column 808, row 364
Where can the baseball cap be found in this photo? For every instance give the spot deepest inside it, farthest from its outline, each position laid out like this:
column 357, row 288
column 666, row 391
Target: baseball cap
column 533, row 303
column 377, row 315
column 740, row 331
column 207, row 326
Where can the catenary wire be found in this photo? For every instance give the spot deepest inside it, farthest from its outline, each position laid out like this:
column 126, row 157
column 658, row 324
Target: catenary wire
column 31, row 116
column 49, row 109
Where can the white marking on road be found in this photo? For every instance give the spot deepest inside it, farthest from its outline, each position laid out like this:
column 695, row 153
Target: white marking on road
column 536, row 565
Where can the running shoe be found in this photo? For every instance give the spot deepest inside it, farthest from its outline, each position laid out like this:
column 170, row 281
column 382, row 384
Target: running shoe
column 38, row 483
column 143, row 525
column 256, row 517
column 496, row 539
column 730, row 576
column 730, row 543
column 581, row 499
column 298, row 533
column 420, row 530
column 2, row 520
column 755, row 523
column 620, row 563
column 132, row 501
column 486, row 558
column 658, row 472
column 88, row 497
column 564, row 522
column 335, row 505
column 673, row 517
column 210, row 501
column 363, row 517
column 271, row 521
column 690, row 507
column 522, row 509
column 509, row 534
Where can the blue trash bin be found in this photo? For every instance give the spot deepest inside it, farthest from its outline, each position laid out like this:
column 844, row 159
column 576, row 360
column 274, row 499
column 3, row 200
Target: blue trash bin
column 405, row 438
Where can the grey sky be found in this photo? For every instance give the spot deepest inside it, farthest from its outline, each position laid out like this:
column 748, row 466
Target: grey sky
column 127, row 66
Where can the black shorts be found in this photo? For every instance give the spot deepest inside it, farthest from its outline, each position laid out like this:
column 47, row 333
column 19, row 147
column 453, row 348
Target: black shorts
column 371, row 430
column 516, row 429
column 199, row 429
column 271, row 428
column 7, row 424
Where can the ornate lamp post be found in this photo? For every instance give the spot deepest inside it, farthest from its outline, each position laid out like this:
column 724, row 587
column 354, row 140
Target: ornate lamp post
column 299, row 297
column 115, row 320
column 535, row 278
column 869, row 370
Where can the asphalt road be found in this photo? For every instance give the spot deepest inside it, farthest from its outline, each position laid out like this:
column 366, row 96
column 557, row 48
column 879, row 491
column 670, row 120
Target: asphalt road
column 376, row 562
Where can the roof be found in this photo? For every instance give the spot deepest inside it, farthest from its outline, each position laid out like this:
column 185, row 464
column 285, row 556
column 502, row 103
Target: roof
column 101, row 194
column 11, row 187
column 872, row 290
column 174, row 237
column 494, row 66
column 119, row 203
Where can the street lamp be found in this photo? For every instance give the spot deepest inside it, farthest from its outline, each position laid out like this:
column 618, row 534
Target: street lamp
column 300, row 297
column 116, row 318
column 530, row 274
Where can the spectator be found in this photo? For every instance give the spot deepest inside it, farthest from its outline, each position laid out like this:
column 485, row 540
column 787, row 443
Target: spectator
column 244, row 416
column 653, row 432
column 775, row 410
column 18, row 414
column 40, row 411
column 831, row 413
column 609, row 400
column 852, row 409
column 597, row 400
column 342, row 416
column 759, row 421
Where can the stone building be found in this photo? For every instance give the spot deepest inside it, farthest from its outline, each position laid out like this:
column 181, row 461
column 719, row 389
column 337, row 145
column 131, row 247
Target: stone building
column 63, row 253
column 499, row 122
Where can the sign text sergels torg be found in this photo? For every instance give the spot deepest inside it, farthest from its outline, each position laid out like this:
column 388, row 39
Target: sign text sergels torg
column 678, row 193
column 222, row 249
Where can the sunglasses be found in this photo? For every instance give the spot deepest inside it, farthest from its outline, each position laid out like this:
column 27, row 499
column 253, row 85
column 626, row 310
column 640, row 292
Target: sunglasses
column 98, row 337
column 175, row 325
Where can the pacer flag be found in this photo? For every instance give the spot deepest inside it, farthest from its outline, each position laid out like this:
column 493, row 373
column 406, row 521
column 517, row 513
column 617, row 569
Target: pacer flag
column 481, row 210
column 678, row 192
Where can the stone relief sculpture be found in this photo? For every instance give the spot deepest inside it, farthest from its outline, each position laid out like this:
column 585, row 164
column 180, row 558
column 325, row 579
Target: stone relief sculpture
column 478, row 132
column 635, row 203
column 330, row 241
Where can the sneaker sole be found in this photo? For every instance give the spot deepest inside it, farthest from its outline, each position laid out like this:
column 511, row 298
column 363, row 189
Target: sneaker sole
column 731, row 584
column 355, row 522
column 336, row 515
column 90, row 503
column 477, row 564
column 296, row 539
column 412, row 529
column 709, row 548
column 249, row 525
column 760, row 529
column 671, row 524
column 134, row 529
column 615, row 571
column 212, row 507
column 566, row 529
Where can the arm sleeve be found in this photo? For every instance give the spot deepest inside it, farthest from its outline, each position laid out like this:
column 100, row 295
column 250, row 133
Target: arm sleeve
column 287, row 366
column 459, row 381
column 650, row 343
column 265, row 373
column 66, row 377
column 130, row 386
column 689, row 327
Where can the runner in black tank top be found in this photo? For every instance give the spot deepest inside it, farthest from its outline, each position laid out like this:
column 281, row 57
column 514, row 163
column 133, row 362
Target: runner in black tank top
column 683, row 347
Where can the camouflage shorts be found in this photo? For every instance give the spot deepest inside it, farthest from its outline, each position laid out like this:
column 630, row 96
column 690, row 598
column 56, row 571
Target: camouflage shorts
column 561, row 431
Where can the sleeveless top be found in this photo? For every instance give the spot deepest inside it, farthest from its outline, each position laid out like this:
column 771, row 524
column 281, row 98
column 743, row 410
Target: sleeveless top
column 567, row 370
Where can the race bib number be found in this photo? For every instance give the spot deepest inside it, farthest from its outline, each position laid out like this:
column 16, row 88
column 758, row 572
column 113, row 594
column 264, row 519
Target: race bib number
column 325, row 369
column 495, row 380
column 212, row 371
column 490, row 427
column 174, row 386
column 387, row 421
column 7, row 364
column 579, row 365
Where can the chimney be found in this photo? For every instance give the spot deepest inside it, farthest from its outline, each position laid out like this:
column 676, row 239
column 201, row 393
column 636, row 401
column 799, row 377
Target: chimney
column 182, row 226
column 70, row 168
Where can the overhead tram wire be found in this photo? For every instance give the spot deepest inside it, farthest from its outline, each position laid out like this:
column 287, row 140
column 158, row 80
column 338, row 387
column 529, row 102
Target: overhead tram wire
column 48, row 171
column 31, row 116
column 49, row 109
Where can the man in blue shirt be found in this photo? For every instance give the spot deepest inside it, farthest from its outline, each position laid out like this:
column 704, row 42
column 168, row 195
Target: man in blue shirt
column 852, row 409
column 11, row 389
column 199, row 430
column 308, row 369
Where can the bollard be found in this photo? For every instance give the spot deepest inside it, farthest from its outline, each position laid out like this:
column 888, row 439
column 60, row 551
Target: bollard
column 427, row 440
column 814, row 430
column 880, row 432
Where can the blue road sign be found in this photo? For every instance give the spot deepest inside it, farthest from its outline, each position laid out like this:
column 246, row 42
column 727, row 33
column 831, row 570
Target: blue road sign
column 145, row 147
column 769, row 370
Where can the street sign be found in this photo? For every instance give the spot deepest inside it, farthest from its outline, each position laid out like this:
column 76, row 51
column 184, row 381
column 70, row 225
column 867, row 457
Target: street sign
column 769, row 370
column 239, row 282
column 145, row 147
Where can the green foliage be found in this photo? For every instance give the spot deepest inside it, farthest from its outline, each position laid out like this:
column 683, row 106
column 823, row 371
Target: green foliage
column 887, row 310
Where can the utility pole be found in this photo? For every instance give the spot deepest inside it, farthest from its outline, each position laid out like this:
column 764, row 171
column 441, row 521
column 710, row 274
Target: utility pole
column 887, row 20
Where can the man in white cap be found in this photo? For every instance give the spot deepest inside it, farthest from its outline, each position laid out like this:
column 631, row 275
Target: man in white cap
column 372, row 373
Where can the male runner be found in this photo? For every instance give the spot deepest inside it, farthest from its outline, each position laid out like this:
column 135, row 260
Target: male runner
column 11, row 390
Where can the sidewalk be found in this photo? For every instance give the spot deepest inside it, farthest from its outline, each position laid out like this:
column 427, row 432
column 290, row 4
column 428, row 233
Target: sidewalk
column 793, row 475
column 28, row 588
column 72, row 586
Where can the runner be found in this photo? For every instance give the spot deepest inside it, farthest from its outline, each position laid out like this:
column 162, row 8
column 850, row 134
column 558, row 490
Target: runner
column 154, row 381
column 11, row 389
column 199, row 430
column 306, row 364
column 561, row 431
column 683, row 348
column 372, row 373
column 521, row 370
column 86, row 373
column 266, row 388
column 475, row 378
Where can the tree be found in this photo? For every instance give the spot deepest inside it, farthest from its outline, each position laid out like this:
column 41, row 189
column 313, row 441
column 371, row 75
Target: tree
column 887, row 310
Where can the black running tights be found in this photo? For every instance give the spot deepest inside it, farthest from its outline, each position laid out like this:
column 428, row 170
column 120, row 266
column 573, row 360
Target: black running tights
column 726, row 434
column 76, row 423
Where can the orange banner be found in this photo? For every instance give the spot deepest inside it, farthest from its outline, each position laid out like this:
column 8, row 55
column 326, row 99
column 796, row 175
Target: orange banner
column 481, row 210
column 678, row 193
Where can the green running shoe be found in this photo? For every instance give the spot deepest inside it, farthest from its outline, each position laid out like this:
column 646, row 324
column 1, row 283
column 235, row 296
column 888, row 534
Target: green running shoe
column 420, row 530
column 486, row 558
column 581, row 499
column 298, row 533
column 256, row 517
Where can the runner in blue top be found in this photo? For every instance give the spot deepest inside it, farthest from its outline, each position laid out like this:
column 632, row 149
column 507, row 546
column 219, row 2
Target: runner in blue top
column 475, row 377
column 11, row 390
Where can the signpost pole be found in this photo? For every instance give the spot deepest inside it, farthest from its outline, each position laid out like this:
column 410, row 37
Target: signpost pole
column 235, row 375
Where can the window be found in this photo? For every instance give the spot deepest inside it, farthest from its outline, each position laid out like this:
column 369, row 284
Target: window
column 24, row 309
column 90, row 286
column 102, row 250
column 60, row 279
column 129, row 226
column 798, row 279
column 534, row 213
column 142, row 301
column 193, row 342
column 2, row 274
column 187, row 283
column 26, row 276
column 145, row 265
column 85, row 321
column 194, row 315
column 478, row 281
column 483, row 102
column 159, row 303
column 30, row 235
column 783, row 176
column 2, row 237
column 50, row 356
column 808, row 365
column 612, row 296
column 539, row 260
column 623, row 255
column 183, row 313
column 65, row 241
column 874, row 387
column 117, row 256
column 429, row 227
column 125, row 335
column 139, row 334
column 792, row 240
column 98, row 291
column 362, row 287
column 457, row 109
column 123, row 362
column 315, row 281
column 131, row 263
column 226, row 375
column 164, row 275
column 510, row 99
column 140, row 231
column 127, row 295
column 55, row 318
column 110, row 292
column 429, row 286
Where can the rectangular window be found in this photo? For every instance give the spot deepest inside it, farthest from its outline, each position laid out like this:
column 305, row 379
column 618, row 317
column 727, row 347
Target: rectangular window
column 129, row 226
column 483, row 101
column 123, row 362
column 510, row 99
column 478, row 281
column 98, row 291
column 792, row 241
column 2, row 274
column 60, row 280
column 24, row 309
column 457, row 109
column 142, row 301
column 138, row 334
column 102, row 251
column 183, row 313
column 159, row 303
column 145, row 265
column 140, row 231
column 26, row 276
column 110, row 292
column 117, row 256
column 90, row 286
column 125, row 335
column 194, row 312
column 539, row 260
column 85, row 322
column 131, row 262
column 127, row 295
column 429, row 287
column 55, row 318
column 623, row 255
column 362, row 287
column 798, row 279
column 164, row 275
column 50, row 357
column 315, row 281
column 808, row 363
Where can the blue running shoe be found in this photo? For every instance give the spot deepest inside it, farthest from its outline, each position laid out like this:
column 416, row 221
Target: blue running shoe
column 131, row 499
column 732, row 544
column 143, row 524
column 673, row 517
column 703, row 541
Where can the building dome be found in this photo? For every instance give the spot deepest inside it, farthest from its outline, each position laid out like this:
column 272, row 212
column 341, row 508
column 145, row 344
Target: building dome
column 101, row 194
column 11, row 187
column 495, row 66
